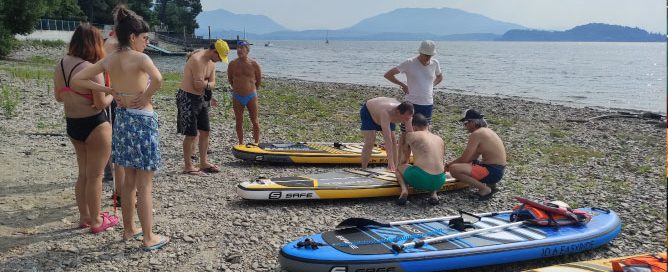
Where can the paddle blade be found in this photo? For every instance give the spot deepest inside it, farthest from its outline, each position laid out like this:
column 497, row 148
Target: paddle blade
column 359, row 222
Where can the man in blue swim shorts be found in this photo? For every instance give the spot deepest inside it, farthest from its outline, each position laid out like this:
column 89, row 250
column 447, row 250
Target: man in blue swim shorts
column 380, row 114
column 426, row 173
column 483, row 142
column 245, row 76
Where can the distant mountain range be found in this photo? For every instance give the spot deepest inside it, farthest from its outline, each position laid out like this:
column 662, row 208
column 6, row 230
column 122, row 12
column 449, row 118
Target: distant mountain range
column 594, row 32
column 412, row 24
column 400, row 24
column 221, row 20
column 441, row 22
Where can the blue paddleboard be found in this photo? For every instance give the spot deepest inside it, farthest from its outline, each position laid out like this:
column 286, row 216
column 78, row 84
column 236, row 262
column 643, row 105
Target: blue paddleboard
column 369, row 248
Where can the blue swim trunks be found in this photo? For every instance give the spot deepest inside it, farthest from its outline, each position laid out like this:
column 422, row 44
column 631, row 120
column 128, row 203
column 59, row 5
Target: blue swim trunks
column 425, row 110
column 489, row 174
column 367, row 121
column 136, row 140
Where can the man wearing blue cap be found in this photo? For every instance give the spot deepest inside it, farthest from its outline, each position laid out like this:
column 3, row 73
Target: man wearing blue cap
column 245, row 76
column 486, row 145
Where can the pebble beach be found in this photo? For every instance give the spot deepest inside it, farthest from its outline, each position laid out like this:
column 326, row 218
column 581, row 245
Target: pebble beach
column 555, row 153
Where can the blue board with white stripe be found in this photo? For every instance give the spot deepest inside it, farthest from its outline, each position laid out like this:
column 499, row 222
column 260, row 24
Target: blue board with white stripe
column 370, row 248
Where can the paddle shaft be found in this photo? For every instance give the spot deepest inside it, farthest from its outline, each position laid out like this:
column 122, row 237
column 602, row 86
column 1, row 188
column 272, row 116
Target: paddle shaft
column 458, row 235
column 397, row 223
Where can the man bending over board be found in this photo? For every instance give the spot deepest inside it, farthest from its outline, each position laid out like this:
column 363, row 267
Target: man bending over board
column 380, row 114
column 426, row 173
column 483, row 142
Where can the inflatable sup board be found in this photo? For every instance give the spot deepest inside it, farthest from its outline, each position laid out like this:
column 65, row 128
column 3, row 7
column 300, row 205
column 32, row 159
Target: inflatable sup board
column 370, row 247
column 355, row 183
column 308, row 152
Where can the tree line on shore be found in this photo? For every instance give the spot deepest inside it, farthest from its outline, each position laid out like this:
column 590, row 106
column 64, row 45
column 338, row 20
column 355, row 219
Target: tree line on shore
column 20, row 16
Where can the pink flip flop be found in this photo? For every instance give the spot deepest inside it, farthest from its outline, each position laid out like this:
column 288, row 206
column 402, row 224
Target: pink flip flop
column 108, row 221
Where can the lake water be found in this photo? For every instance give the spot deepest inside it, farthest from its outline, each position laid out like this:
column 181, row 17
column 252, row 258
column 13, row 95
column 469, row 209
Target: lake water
column 605, row 75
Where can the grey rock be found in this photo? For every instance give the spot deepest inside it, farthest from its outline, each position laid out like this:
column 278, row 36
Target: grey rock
column 234, row 259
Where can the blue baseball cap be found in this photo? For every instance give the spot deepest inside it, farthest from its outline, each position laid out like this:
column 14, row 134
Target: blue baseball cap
column 243, row 43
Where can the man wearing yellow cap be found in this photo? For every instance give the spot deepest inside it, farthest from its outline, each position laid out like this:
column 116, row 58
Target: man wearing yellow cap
column 192, row 103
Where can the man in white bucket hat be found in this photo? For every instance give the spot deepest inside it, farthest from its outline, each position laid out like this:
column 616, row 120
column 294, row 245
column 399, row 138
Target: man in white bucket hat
column 423, row 72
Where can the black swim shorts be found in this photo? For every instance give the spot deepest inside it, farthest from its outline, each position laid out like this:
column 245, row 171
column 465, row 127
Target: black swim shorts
column 192, row 113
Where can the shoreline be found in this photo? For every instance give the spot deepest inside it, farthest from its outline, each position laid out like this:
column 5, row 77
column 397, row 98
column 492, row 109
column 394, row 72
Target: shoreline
column 613, row 163
column 477, row 94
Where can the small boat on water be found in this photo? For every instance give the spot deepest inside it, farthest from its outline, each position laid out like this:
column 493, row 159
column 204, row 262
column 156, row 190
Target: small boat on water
column 268, row 44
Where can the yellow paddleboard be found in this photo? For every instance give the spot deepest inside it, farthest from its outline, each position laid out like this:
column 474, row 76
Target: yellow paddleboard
column 332, row 185
column 308, row 152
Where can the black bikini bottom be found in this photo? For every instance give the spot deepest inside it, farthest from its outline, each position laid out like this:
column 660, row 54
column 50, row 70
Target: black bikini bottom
column 80, row 128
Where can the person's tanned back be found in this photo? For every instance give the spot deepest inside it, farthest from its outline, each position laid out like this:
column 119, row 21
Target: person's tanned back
column 429, row 150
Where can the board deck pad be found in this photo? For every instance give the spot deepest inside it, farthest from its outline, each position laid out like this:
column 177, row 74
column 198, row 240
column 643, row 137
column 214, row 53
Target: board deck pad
column 339, row 184
column 308, row 152
column 346, row 178
column 316, row 147
column 379, row 240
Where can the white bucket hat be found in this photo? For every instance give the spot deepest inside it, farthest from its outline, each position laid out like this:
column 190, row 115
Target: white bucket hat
column 427, row 47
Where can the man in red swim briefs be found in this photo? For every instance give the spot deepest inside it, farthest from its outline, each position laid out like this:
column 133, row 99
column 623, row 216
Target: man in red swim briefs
column 483, row 142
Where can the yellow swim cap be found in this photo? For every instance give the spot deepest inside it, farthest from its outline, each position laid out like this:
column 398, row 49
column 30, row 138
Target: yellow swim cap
column 222, row 48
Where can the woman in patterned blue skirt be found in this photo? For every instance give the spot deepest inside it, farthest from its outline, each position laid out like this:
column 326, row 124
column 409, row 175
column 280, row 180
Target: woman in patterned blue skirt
column 135, row 140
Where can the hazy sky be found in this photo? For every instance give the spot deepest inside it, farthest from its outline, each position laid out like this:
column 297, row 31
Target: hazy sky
column 541, row 14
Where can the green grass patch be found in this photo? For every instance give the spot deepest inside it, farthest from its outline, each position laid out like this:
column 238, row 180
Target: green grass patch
column 558, row 133
column 457, row 149
column 643, row 169
column 527, row 151
column 43, row 43
column 567, row 154
column 515, row 187
column 171, row 82
column 28, row 72
column 316, row 115
column 584, row 186
column 10, row 98
column 617, row 187
column 42, row 61
column 172, row 76
column 501, row 122
column 44, row 125
column 620, row 186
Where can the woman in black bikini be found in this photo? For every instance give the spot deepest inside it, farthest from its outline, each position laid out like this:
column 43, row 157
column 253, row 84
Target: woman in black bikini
column 87, row 125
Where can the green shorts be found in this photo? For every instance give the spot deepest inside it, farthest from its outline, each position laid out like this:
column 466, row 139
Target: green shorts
column 421, row 180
